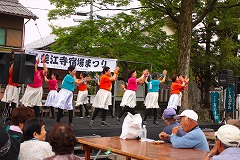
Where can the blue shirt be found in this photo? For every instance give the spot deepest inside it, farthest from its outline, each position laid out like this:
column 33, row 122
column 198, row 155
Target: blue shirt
column 68, row 82
column 193, row 139
column 153, row 85
column 231, row 153
column 168, row 130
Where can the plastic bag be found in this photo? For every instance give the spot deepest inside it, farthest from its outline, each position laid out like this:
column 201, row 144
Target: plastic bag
column 132, row 127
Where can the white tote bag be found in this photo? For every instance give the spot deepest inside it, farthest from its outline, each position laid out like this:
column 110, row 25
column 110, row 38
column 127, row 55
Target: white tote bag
column 132, row 126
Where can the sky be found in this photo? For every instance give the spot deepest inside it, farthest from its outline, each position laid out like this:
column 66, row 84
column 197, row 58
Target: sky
column 35, row 30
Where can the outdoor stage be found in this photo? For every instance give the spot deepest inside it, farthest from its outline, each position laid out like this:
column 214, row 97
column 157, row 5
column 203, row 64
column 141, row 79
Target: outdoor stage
column 81, row 126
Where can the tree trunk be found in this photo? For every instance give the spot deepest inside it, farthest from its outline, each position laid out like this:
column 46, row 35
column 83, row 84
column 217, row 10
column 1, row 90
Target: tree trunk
column 184, row 43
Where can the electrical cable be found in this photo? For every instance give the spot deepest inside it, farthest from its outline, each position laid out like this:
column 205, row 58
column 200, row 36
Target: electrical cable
column 39, row 33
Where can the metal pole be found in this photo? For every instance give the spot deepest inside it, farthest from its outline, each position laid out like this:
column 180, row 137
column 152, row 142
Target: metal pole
column 237, row 106
column 91, row 11
column 224, row 106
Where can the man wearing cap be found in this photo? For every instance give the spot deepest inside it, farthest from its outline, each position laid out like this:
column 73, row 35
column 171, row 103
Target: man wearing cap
column 235, row 122
column 226, row 145
column 194, row 137
column 168, row 118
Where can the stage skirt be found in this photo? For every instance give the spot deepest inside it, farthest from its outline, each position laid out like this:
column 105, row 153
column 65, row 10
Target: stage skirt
column 52, row 98
column 11, row 94
column 151, row 100
column 65, row 99
column 180, row 99
column 129, row 99
column 82, row 98
column 32, row 97
column 102, row 99
column 173, row 101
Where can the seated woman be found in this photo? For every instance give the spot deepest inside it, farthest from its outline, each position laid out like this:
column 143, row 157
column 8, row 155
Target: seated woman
column 34, row 146
column 63, row 141
column 18, row 117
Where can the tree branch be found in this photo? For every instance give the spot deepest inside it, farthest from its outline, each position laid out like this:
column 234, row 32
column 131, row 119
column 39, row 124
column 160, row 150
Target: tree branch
column 118, row 9
column 166, row 10
column 230, row 6
column 208, row 9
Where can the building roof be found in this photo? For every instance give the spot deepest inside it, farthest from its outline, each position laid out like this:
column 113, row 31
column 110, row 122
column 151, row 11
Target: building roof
column 42, row 43
column 12, row 7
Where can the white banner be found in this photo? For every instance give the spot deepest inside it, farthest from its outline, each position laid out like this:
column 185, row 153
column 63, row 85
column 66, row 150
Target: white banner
column 62, row 61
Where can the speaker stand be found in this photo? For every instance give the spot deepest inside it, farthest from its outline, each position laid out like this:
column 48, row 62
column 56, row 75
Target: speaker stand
column 5, row 113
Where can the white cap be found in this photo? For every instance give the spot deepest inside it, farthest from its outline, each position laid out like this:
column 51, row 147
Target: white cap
column 188, row 113
column 229, row 135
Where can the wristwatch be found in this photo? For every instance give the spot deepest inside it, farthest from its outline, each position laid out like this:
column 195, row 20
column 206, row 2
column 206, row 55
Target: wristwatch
column 209, row 155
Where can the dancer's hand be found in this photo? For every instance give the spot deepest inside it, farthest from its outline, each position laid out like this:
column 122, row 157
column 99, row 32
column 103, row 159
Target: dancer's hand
column 164, row 72
column 116, row 70
column 44, row 59
column 145, row 72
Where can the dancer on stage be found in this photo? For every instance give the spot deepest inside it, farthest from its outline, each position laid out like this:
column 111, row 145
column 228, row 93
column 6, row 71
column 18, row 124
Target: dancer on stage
column 52, row 97
column 178, row 84
column 180, row 81
column 11, row 94
column 129, row 97
column 97, row 78
column 151, row 101
column 66, row 94
column 103, row 97
column 33, row 94
column 82, row 98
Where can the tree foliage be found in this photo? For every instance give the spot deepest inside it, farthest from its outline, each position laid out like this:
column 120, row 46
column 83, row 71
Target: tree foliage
column 138, row 36
column 130, row 37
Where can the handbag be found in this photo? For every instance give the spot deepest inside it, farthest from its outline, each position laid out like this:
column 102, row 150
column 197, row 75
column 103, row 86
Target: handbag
column 131, row 127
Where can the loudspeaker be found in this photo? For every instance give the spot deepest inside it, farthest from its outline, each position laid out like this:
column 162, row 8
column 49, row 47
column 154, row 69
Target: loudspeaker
column 4, row 67
column 23, row 68
column 225, row 77
column 237, row 85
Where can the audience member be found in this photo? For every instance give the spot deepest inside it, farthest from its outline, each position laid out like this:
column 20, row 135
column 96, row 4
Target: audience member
column 226, row 145
column 235, row 122
column 63, row 141
column 194, row 137
column 18, row 117
column 168, row 118
column 34, row 146
column 9, row 146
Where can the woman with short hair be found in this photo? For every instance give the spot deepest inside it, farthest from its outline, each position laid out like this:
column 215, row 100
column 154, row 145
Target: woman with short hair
column 34, row 146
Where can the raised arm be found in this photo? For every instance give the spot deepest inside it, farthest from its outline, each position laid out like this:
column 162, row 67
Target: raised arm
column 36, row 64
column 46, row 79
column 164, row 76
column 44, row 64
column 143, row 77
column 115, row 76
column 97, row 77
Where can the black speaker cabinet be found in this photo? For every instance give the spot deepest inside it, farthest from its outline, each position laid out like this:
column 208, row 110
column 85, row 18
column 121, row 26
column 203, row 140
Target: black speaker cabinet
column 237, row 85
column 225, row 77
column 23, row 69
column 4, row 67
